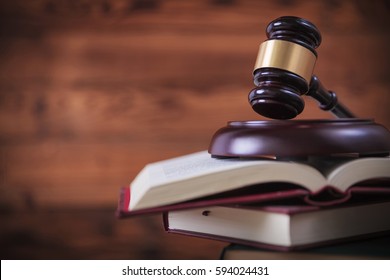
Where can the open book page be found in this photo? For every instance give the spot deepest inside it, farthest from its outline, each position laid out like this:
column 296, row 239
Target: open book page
column 192, row 165
column 198, row 174
column 360, row 170
column 179, row 169
column 344, row 172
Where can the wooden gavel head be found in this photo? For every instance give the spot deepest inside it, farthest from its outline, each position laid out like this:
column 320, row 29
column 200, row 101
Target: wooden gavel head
column 283, row 73
column 284, row 68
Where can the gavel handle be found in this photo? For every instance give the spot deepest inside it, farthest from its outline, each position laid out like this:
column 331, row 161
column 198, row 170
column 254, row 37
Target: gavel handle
column 327, row 99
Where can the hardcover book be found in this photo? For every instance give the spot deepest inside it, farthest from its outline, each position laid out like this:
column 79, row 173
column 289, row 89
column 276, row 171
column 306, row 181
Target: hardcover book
column 198, row 180
column 281, row 227
column 377, row 248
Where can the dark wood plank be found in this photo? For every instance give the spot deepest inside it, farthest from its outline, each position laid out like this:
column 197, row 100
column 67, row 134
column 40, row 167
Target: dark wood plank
column 94, row 234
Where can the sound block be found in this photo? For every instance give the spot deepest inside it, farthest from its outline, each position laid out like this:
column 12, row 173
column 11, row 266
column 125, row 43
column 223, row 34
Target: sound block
column 300, row 138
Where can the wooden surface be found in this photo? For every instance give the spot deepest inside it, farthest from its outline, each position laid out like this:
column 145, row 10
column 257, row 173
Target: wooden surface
column 91, row 91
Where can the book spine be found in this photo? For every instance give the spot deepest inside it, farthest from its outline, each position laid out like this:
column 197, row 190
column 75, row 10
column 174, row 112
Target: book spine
column 165, row 221
column 123, row 202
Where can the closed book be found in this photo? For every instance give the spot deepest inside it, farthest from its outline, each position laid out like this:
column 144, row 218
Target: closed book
column 282, row 228
column 377, row 248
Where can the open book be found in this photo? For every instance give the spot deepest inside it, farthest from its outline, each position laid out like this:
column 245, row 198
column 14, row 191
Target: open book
column 198, row 175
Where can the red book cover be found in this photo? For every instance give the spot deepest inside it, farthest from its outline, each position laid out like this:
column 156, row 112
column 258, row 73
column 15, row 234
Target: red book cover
column 273, row 194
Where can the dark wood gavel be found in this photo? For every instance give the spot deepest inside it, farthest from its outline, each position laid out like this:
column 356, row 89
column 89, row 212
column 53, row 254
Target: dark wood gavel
column 283, row 72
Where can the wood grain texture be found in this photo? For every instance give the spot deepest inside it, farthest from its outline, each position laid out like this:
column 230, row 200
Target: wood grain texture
column 91, row 91
column 94, row 234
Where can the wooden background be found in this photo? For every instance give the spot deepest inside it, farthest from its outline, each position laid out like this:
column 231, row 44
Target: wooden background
column 91, row 91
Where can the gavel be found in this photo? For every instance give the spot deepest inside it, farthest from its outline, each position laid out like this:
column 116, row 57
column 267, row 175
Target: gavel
column 283, row 72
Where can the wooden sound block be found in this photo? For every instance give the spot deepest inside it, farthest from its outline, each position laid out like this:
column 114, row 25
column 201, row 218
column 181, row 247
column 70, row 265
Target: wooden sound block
column 301, row 138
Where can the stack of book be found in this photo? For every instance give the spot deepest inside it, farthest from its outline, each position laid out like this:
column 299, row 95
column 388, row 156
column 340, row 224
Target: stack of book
column 266, row 205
